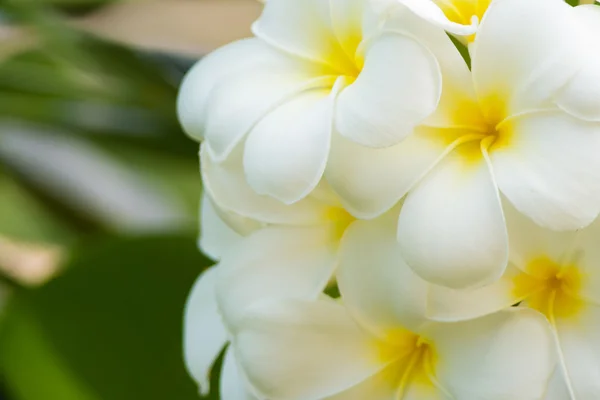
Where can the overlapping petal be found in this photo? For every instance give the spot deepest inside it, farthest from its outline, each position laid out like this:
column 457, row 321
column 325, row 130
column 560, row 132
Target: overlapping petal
column 451, row 228
column 398, row 87
column 301, row 350
column 377, row 286
column 523, row 54
column 204, row 332
column 430, row 11
column 371, row 181
column 286, row 153
column 551, row 169
column 275, row 262
column 578, row 342
column 227, row 185
column 580, row 97
column 215, row 235
column 509, row 354
column 233, row 385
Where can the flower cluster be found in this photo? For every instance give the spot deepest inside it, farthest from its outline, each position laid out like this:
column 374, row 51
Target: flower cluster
column 401, row 197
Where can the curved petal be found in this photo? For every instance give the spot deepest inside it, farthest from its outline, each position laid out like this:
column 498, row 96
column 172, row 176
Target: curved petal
column 297, row 350
column 286, row 153
column 204, row 333
column 276, row 262
column 384, row 386
column 451, row 227
column 578, row 342
column 216, row 237
column 242, row 101
column 234, row 385
column 226, row 184
column 550, row 169
column 429, row 11
column 581, row 97
column 584, row 253
column 458, row 97
column 557, row 388
column 507, row 355
column 529, row 242
column 371, row 181
column 304, row 29
column 399, row 86
column 451, row 305
column 521, row 59
column 197, row 86
column 378, row 288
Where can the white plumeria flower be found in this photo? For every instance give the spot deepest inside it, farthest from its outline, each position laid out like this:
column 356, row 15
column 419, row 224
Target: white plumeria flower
column 265, row 250
column 525, row 123
column 459, row 17
column 315, row 67
column 378, row 345
column 556, row 273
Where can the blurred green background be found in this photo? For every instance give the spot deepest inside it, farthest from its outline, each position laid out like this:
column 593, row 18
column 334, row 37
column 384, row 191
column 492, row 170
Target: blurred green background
column 99, row 192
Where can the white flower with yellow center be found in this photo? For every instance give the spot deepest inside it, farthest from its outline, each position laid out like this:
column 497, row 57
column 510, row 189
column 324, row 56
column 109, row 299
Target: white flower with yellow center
column 378, row 344
column 266, row 249
column 315, row 67
column 459, row 17
column 557, row 274
column 525, row 122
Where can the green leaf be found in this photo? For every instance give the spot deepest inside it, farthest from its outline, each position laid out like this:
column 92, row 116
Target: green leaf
column 24, row 218
column 109, row 328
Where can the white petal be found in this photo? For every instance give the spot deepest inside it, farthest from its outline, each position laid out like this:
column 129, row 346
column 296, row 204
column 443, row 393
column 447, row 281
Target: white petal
column 581, row 97
column 584, row 253
column 297, row 350
column 371, row 181
column 521, row 58
column 507, row 355
column 302, row 28
column 451, row 227
column 234, row 385
column 226, row 184
column 557, row 388
column 196, row 89
column 276, row 262
column 215, row 235
column 578, row 340
column 384, row 386
column 347, row 20
column 550, row 169
column 398, row 87
column 204, row 332
column 242, row 101
column 529, row 242
column 286, row 153
column 378, row 288
column 429, row 11
column 450, row 305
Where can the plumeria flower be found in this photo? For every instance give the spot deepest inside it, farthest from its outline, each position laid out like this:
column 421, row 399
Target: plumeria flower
column 377, row 344
column 459, row 17
column 265, row 249
column 556, row 273
column 525, row 122
column 314, row 67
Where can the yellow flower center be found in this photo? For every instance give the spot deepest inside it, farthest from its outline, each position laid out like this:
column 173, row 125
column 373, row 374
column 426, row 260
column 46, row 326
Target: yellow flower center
column 340, row 220
column 462, row 11
column 415, row 359
column 478, row 125
column 550, row 288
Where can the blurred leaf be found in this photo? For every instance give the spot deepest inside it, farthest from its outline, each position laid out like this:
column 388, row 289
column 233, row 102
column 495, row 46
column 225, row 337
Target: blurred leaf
column 109, row 328
column 23, row 218
column 192, row 27
column 93, row 182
